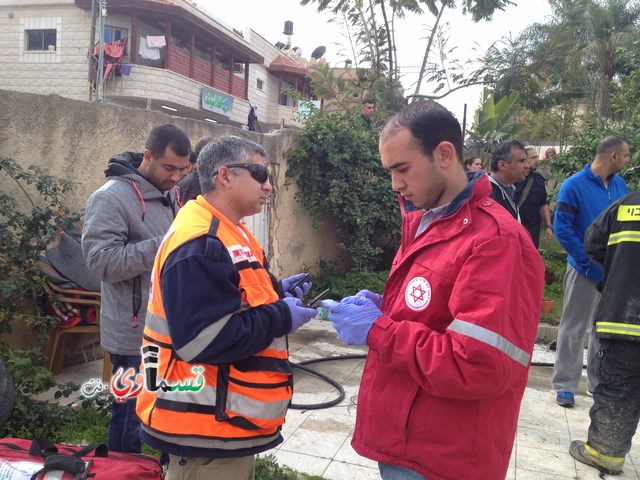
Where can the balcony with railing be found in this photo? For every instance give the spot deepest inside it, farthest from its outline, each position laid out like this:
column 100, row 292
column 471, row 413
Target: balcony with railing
column 216, row 73
column 197, row 46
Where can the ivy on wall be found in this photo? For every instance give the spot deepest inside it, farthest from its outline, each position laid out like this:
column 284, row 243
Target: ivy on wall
column 337, row 168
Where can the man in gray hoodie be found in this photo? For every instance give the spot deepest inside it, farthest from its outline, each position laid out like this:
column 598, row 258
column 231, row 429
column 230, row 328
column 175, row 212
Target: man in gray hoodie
column 125, row 221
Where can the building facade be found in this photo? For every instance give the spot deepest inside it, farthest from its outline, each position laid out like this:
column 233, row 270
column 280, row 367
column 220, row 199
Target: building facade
column 159, row 55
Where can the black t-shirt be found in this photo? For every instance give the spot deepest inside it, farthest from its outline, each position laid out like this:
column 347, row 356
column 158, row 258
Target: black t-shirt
column 537, row 197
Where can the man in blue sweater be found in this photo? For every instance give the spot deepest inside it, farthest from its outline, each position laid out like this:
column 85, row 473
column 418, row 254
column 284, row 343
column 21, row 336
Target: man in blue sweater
column 582, row 197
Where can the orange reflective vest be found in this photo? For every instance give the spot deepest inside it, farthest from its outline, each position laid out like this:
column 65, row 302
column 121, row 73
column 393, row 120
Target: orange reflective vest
column 231, row 406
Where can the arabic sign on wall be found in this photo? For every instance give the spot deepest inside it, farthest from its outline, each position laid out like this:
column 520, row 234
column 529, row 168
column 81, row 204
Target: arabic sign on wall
column 305, row 107
column 217, row 102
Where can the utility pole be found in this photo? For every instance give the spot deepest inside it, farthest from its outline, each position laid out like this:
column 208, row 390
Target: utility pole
column 96, row 74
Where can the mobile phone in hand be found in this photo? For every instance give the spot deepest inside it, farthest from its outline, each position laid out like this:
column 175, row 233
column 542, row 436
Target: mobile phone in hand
column 292, row 288
column 315, row 302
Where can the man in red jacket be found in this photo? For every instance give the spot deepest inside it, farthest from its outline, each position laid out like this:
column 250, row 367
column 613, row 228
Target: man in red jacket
column 450, row 341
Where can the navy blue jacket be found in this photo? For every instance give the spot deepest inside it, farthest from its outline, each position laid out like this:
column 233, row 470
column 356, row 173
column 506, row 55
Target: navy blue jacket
column 204, row 261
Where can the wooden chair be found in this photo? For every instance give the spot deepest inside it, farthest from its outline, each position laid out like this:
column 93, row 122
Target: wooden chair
column 55, row 347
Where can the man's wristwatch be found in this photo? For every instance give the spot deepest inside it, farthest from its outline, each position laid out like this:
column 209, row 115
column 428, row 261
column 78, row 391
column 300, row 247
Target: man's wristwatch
column 549, row 226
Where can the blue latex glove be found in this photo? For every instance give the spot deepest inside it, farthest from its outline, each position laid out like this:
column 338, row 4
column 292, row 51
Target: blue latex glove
column 376, row 298
column 352, row 319
column 299, row 314
column 300, row 291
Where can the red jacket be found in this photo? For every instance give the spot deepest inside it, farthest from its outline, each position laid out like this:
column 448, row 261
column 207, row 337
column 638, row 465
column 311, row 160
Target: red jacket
column 448, row 359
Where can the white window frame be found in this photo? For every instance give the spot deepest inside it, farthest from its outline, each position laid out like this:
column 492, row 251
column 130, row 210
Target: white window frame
column 40, row 24
column 43, row 32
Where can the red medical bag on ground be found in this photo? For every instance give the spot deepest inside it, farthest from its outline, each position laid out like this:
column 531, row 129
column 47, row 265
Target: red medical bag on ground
column 40, row 459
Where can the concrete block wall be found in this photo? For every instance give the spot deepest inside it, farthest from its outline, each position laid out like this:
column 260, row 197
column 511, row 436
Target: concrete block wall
column 74, row 140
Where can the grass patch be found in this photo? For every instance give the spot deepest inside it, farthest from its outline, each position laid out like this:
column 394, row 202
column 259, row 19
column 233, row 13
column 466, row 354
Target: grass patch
column 86, row 425
column 268, row 469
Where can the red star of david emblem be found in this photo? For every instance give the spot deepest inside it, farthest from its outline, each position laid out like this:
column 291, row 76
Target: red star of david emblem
column 417, row 293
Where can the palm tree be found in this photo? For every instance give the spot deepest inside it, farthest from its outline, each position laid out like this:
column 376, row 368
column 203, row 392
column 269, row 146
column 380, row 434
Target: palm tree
column 612, row 28
column 575, row 56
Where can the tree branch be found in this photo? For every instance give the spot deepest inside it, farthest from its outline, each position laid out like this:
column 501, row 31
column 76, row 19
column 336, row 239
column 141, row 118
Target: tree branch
column 438, row 97
column 428, row 50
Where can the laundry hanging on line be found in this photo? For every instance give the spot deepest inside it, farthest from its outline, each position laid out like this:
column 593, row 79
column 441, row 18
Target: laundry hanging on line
column 156, row 41
column 149, row 53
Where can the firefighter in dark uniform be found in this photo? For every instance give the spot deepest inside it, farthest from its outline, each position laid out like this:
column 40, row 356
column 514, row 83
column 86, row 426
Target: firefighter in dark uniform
column 613, row 240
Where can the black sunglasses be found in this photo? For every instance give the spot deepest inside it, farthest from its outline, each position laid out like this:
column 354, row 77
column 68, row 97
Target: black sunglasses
column 258, row 171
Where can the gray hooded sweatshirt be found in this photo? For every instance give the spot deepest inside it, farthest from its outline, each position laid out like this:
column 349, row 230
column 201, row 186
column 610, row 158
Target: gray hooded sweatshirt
column 125, row 221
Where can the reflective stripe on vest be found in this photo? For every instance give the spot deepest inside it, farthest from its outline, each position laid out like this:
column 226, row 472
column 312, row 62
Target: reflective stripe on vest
column 627, row 329
column 235, row 403
column 198, row 344
column 625, row 236
column 243, row 403
column 490, row 338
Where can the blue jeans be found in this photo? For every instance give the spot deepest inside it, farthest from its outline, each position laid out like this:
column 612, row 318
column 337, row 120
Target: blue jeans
column 124, row 426
column 394, row 472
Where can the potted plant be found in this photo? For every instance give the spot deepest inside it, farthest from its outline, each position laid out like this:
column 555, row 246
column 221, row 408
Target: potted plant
column 547, row 302
column 547, row 306
column 552, row 282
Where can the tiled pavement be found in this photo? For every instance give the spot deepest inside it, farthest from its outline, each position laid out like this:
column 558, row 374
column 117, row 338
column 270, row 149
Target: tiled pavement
column 317, row 441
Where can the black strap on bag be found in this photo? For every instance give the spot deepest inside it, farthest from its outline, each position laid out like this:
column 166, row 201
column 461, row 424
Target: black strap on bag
column 66, row 463
column 525, row 192
column 72, row 463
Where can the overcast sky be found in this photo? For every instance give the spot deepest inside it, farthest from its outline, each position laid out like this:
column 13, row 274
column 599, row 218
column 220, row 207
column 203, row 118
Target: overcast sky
column 312, row 29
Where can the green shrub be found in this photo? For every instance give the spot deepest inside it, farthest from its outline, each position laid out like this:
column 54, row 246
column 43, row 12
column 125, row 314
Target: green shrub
column 24, row 232
column 555, row 263
column 624, row 121
column 31, row 215
column 82, row 426
column 337, row 168
column 31, row 418
column 349, row 283
column 268, row 469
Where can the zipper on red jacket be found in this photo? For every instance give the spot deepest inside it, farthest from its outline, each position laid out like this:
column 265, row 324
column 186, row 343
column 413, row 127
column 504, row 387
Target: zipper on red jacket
column 413, row 404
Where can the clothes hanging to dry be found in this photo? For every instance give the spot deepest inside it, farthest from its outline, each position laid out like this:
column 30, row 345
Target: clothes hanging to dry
column 114, row 54
column 150, row 53
column 156, row 41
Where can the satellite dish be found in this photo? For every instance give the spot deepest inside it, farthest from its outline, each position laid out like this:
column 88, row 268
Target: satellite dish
column 318, row 52
column 297, row 51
